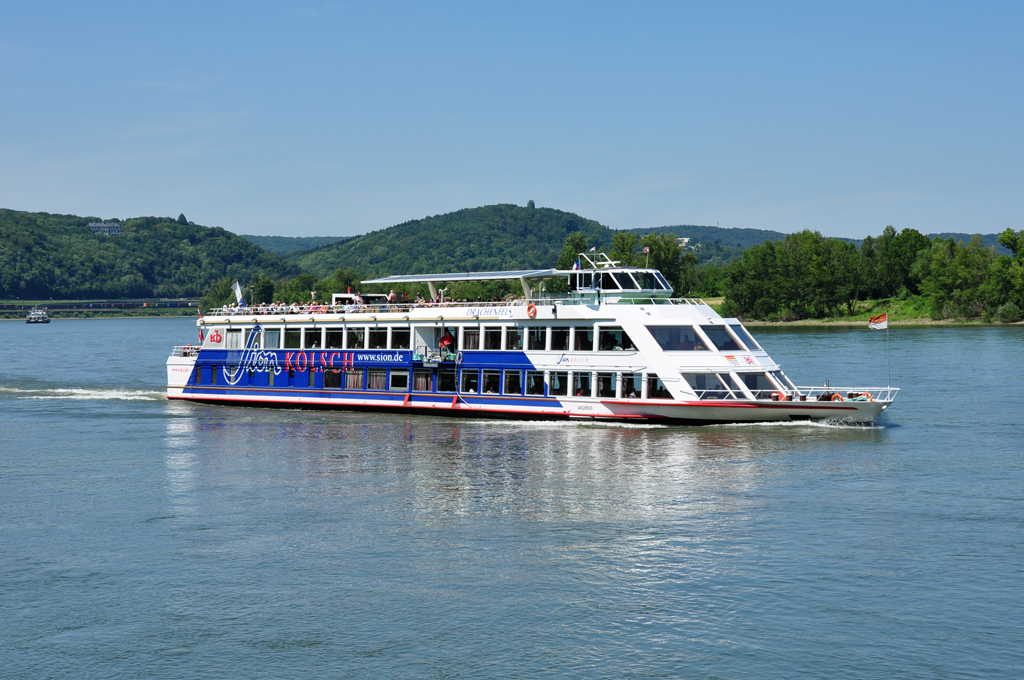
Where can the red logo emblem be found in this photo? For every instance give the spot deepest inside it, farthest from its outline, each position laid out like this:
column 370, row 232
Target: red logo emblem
column 215, row 337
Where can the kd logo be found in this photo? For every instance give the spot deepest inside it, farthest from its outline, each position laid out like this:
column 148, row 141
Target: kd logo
column 216, row 337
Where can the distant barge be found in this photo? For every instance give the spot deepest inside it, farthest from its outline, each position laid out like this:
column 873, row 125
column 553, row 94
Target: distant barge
column 37, row 316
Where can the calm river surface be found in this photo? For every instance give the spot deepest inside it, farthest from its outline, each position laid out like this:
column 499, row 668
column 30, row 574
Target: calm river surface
column 141, row 538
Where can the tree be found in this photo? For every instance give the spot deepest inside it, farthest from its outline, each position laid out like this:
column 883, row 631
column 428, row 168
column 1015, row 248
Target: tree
column 530, row 204
column 624, row 248
column 218, row 294
column 575, row 243
column 1014, row 242
column 181, row 219
column 262, row 289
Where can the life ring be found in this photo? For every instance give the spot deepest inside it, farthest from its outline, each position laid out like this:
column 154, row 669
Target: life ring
column 837, row 397
column 531, row 310
column 868, row 395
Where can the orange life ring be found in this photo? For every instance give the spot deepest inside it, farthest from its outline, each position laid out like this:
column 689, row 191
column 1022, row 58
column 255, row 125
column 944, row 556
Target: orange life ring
column 837, row 397
column 868, row 395
column 531, row 310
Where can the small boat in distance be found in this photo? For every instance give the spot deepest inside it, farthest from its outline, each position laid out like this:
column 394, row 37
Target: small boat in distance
column 37, row 315
column 614, row 346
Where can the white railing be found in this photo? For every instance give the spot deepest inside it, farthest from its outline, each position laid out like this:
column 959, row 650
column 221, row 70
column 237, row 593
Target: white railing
column 282, row 310
column 184, row 351
column 848, row 393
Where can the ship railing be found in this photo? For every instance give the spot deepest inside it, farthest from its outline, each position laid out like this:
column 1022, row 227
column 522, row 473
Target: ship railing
column 184, row 351
column 846, row 393
column 397, row 308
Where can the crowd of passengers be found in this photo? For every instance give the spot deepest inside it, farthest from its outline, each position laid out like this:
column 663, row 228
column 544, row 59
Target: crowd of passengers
column 391, row 303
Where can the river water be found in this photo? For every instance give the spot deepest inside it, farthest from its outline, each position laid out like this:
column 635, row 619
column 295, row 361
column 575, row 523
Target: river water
column 141, row 538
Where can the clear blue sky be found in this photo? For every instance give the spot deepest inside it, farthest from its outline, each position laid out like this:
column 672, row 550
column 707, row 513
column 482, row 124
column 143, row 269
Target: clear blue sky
column 308, row 118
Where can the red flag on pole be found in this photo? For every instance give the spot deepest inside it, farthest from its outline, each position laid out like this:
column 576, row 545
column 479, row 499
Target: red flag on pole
column 880, row 322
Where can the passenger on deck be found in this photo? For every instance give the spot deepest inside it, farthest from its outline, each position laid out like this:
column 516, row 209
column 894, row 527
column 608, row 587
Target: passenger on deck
column 447, row 341
column 419, row 298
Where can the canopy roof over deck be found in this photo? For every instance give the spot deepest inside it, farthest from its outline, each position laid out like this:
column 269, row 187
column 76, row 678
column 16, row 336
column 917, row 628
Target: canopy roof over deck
column 523, row 275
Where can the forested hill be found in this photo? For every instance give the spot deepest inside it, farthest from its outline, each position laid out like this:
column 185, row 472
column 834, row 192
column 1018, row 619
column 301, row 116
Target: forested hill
column 286, row 245
column 489, row 238
column 58, row 256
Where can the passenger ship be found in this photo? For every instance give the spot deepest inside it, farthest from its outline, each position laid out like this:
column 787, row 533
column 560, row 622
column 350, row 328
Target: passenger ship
column 616, row 347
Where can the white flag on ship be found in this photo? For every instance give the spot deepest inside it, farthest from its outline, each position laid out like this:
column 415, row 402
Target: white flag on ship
column 238, row 294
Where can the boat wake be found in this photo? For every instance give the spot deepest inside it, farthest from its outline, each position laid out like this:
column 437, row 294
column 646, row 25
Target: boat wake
column 79, row 393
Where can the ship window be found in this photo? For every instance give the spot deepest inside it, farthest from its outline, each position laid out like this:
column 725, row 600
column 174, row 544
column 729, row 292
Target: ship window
column 446, row 380
column 492, row 337
column 399, row 338
column 612, row 339
column 335, row 338
column 353, row 379
column 759, row 384
column 626, row 281
column 312, row 338
column 559, row 383
column 471, row 338
column 379, row 340
column 213, row 375
column 492, row 380
column 581, row 384
column 292, row 339
column 514, row 338
column 470, row 381
column 606, row 385
column 745, row 337
column 312, row 376
column 646, row 280
column 376, row 379
column 632, row 385
column 399, row 380
column 332, row 378
column 355, row 338
column 661, row 281
column 234, row 339
column 784, row 380
column 536, row 337
column 421, row 381
column 535, row 383
column 560, row 339
column 271, row 339
column 584, row 341
column 513, row 382
column 677, row 338
column 586, row 280
column 249, row 337
column 270, row 377
column 723, row 341
column 656, row 389
column 710, row 385
column 607, row 282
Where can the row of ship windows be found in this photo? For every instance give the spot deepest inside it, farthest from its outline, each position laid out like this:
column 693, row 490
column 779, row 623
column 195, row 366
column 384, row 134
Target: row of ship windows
column 453, row 381
column 507, row 382
column 731, row 338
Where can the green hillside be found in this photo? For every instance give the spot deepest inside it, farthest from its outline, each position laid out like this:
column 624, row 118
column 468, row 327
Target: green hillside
column 285, row 245
column 57, row 256
column 493, row 237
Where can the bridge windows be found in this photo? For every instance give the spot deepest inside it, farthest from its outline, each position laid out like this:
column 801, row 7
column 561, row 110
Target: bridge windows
column 722, row 339
column 678, row 338
column 625, row 281
column 745, row 337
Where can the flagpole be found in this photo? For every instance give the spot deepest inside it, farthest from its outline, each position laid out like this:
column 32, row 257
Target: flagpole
column 888, row 358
